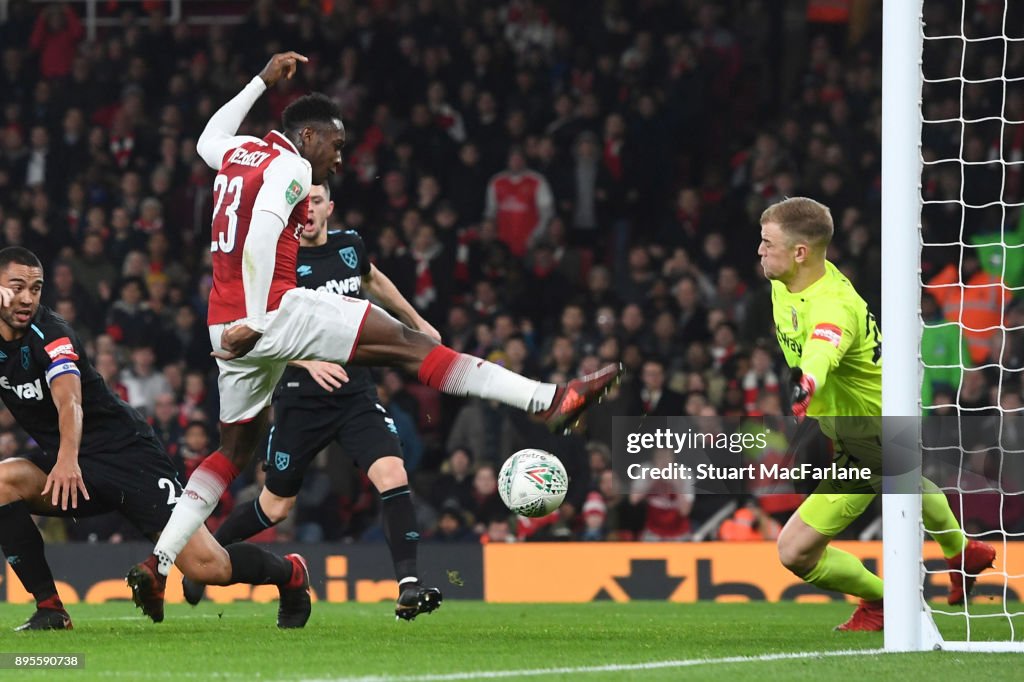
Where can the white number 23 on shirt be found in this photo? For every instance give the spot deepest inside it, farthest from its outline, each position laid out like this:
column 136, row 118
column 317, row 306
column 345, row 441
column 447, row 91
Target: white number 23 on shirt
column 225, row 240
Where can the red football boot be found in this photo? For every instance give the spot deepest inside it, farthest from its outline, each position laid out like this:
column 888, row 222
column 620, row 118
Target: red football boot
column 148, row 585
column 295, row 605
column 966, row 567
column 869, row 617
column 572, row 398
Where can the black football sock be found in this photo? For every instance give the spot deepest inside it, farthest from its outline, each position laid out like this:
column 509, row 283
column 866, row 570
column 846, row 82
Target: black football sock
column 244, row 521
column 254, row 565
column 401, row 531
column 22, row 544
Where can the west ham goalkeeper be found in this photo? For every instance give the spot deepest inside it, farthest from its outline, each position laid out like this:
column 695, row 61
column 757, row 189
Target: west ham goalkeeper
column 833, row 345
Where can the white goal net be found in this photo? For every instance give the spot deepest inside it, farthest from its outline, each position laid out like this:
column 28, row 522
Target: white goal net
column 967, row 198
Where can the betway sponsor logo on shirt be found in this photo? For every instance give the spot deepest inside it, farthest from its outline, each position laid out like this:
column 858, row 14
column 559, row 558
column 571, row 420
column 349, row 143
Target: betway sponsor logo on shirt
column 29, row 391
column 245, row 158
column 789, row 343
column 349, row 285
column 828, row 332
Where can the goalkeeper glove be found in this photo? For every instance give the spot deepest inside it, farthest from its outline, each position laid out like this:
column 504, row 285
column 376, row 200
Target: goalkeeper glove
column 803, row 390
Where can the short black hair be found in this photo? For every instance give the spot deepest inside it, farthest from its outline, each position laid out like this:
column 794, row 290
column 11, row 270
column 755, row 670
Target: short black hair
column 313, row 109
column 19, row 255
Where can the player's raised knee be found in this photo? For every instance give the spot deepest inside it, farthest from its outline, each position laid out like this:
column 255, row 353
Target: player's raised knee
column 793, row 557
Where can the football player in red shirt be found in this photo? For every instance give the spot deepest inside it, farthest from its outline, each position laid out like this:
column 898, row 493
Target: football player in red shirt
column 260, row 320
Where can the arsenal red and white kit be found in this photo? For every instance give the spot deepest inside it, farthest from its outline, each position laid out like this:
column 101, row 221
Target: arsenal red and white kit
column 260, row 207
column 259, row 175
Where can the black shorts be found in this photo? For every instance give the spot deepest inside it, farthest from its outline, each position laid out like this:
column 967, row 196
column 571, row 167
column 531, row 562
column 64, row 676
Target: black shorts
column 138, row 480
column 303, row 426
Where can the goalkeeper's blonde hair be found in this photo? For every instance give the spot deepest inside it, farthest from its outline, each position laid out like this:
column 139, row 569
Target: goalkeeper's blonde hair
column 802, row 219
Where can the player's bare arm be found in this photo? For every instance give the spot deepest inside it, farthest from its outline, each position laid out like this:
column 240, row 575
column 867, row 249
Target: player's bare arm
column 65, row 479
column 379, row 286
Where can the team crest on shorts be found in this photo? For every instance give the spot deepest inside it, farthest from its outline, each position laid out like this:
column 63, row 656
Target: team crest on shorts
column 348, row 254
column 792, row 312
column 294, row 191
column 281, row 460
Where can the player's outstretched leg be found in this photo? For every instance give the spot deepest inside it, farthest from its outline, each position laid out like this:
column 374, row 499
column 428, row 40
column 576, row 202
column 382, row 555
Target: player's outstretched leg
column 22, row 545
column 385, row 341
column 207, row 483
column 205, row 561
column 966, row 558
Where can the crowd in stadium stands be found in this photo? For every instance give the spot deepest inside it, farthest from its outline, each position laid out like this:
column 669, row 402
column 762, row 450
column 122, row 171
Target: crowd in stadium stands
column 553, row 185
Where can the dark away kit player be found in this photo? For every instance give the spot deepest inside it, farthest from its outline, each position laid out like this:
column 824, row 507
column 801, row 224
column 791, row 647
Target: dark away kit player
column 98, row 455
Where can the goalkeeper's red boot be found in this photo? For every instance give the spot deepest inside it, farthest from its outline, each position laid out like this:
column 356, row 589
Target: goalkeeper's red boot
column 966, row 567
column 869, row 617
column 148, row 585
column 572, row 398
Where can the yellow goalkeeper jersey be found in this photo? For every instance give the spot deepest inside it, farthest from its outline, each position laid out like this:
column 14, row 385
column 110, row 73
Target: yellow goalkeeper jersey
column 828, row 331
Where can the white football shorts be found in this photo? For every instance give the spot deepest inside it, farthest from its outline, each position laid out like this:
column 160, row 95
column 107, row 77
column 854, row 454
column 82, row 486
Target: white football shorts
column 308, row 325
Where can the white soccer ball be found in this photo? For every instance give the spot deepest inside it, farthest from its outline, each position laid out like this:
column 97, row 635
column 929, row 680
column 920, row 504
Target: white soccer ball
column 532, row 483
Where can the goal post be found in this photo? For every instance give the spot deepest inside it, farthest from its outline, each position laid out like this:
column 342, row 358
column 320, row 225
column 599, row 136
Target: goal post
column 901, row 286
column 909, row 617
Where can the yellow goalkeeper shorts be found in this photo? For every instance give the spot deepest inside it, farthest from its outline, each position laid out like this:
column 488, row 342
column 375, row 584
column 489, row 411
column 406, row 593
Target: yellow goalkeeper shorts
column 835, row 504
column 830, row 513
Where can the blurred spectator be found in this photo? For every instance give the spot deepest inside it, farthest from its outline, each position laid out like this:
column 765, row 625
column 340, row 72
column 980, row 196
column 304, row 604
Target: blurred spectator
column 130, row 321
column 478, row 429
column 452, row 526
column 759, row 380
column 668, row 503
column 93, row 270
column 56, row 36
column 486, row 506
column 499, row 530
column 595, row 512
column 978, row 303
column 166, row 423
column 455, row 484
column 142, row 381
column 749, row 524
column 520, row 203
column 944, row 350
column 656, row 400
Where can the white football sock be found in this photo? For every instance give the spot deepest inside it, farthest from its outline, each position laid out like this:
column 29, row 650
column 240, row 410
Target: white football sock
column 195, row 505
column 469, row 375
